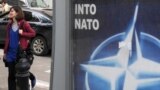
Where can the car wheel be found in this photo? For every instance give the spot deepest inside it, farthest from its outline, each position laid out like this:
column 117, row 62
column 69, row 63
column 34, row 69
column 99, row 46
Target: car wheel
column 39, row 46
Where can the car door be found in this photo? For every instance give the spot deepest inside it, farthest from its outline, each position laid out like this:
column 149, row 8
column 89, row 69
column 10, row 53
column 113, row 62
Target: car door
column 3, row 24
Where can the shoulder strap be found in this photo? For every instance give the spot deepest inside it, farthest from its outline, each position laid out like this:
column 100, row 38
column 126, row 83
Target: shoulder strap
column 22, row 26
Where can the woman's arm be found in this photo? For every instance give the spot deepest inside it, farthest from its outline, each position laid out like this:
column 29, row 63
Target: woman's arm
column 7, row 38
column 29, row 31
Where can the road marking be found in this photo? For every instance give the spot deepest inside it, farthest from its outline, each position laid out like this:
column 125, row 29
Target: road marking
column 42, row 84
column 48, row 71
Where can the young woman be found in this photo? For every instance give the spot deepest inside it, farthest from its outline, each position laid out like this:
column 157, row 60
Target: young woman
column 15, row 38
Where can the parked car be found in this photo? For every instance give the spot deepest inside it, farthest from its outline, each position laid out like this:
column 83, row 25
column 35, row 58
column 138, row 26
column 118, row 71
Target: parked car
column 41, row 22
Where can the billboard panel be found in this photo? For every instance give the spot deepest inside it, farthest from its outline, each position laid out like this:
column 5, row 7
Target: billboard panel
column 116, row 44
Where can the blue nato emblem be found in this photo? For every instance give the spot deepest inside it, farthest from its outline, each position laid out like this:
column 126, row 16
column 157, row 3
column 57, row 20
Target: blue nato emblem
column 127, row 69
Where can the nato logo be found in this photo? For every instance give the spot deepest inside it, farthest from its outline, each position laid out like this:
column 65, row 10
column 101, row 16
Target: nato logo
column 132, row 67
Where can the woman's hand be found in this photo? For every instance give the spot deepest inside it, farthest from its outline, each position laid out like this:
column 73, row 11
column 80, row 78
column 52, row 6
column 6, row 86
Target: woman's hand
column 20, row 31
column 5, row 60
column 4, row 56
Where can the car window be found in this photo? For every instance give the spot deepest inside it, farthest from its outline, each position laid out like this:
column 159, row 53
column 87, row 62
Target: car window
column 42, row 18
column 21, row 3
column 34, row 19
column 45, row 20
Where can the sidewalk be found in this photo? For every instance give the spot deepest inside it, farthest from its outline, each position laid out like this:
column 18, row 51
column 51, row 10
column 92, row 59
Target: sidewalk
column 40, row 67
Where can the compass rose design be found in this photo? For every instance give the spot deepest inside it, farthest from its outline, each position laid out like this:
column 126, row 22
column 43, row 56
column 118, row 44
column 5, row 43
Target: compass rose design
column 141, row 73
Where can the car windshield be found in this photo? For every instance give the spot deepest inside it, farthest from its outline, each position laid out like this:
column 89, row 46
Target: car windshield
column 37, row 3
column 42, row 17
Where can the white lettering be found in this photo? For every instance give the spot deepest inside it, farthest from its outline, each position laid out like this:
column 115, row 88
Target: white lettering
column 75, row 8
column 86, row 6
column 95, row 24
column 87, row 24
column 93, row 9
column 84, row 24
column 85, row 9
column 80, row 9
column 77, row 23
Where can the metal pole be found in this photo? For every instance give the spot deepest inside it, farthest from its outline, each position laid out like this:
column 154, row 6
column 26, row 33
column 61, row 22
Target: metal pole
column 61, row 71
column 22, row 74
column 23, row 83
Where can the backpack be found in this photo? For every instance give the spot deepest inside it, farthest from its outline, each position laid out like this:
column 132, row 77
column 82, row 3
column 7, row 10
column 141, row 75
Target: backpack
column 28, row 53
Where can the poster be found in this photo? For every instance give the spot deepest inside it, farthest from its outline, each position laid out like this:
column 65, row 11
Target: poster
column 116, row 44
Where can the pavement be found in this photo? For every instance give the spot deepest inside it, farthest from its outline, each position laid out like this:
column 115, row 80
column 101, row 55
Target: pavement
column 40, row 68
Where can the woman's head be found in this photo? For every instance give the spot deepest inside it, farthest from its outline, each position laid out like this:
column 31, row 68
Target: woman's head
column 17, row 13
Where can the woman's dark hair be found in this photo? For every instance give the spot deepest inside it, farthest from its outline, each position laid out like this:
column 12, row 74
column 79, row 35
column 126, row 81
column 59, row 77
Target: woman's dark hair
column 18, row 10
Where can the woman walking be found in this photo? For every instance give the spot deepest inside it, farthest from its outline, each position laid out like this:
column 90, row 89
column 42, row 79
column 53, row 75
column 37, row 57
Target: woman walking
column 15, row 38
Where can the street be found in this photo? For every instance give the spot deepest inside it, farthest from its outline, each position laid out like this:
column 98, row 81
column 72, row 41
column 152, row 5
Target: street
column 40, row 68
